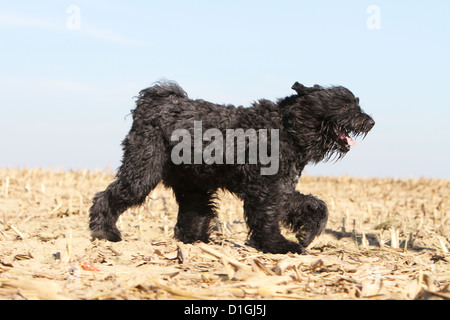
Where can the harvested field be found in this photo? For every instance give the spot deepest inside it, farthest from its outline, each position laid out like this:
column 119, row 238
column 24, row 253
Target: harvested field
column 385, row 239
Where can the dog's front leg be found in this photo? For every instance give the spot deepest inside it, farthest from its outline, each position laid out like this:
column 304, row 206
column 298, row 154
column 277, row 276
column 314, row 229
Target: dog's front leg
column 305, row 215
column 262, row 216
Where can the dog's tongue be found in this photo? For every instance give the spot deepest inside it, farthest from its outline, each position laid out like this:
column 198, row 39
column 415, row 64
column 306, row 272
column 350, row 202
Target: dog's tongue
column 347, row 139
column 350, row 141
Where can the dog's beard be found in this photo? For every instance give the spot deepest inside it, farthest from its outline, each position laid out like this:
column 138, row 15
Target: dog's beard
column 338, row 141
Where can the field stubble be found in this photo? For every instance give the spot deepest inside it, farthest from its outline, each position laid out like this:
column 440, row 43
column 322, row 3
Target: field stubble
column 385, row 239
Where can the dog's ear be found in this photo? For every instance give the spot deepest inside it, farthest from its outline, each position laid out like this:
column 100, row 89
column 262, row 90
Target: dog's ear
column 299, row 88
column 302, row 90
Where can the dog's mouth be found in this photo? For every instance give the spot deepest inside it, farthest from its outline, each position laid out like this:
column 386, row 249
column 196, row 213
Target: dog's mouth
column 344, row 140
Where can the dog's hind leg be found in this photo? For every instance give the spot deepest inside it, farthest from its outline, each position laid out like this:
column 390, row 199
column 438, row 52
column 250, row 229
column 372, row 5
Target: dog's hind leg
column 306, row 215
column 139, row 174
column 196, row 209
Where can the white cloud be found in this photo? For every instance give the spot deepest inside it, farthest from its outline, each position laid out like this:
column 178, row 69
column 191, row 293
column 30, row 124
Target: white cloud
column 107, row 35
column 64, row 85
column 12, row 20
column 44, row 86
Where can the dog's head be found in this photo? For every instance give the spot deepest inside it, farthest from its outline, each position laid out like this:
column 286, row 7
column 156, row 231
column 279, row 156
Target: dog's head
column 325, row 119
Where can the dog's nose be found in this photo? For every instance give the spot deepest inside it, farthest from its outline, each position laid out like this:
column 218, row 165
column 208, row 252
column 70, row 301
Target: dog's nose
column 370, row 124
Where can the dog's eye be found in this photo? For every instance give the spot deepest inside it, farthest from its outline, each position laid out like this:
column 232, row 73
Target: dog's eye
column 345, row 106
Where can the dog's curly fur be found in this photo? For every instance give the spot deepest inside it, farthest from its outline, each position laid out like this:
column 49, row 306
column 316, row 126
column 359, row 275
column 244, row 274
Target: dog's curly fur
column 314, row 125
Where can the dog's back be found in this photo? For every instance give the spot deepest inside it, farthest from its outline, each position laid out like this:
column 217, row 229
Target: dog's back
column 166, row 107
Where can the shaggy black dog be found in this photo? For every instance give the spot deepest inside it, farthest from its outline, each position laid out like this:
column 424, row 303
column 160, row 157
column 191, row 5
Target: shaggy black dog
column 313, row 125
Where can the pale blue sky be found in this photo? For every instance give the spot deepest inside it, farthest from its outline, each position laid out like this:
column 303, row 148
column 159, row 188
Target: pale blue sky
column 65, row 94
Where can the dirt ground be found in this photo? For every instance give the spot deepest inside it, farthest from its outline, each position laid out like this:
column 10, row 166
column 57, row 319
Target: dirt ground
column 385, row 239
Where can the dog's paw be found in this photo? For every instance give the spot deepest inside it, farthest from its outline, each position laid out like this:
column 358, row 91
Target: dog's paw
column 111, row 234
column 294, row 247
column 280, row 247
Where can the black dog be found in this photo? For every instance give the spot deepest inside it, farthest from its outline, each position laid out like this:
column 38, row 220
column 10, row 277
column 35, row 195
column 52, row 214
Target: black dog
column 313, row 125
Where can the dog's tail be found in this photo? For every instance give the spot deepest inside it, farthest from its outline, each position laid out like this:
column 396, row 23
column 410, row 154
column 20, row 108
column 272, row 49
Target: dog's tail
column 162, row 89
